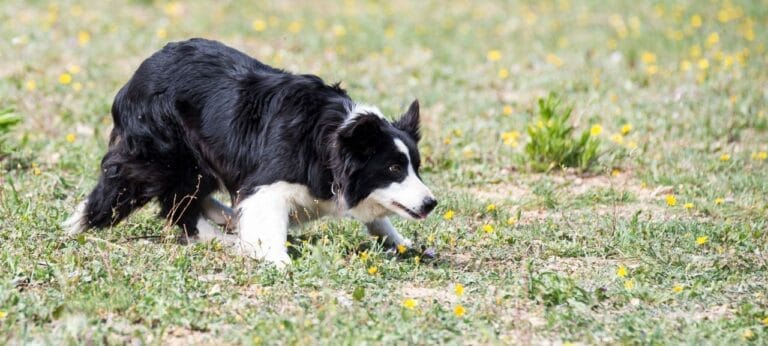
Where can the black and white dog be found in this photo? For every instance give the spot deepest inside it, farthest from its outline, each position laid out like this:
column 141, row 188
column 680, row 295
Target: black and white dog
column 198, row 116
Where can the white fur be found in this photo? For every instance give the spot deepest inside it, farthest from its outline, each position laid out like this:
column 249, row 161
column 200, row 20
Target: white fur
column 266, row 215
column 382, row 228
column 360, row 109
column 75, row 224
column 206, row 232
column 410, row 193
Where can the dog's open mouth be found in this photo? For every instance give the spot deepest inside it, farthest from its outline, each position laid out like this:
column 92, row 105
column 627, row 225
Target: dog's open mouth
column 410, row 212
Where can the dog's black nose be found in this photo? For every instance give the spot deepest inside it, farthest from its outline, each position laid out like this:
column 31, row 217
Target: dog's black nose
column 428, row 204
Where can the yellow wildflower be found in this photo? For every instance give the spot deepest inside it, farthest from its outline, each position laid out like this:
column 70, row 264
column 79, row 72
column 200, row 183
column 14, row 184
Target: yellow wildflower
column 416, row 260
column 626, row 129
column 677, row 288
column 596, row 130
column 629, row 284
column 373, row 270
column 487, row 228
column 83, row 37
column 617, row 138
column 503, row 73
column 765, row 320
column 459, row 311
column 448, row 215
column 511, row 221
column 701, row 240
column 161, row 33
column 491, row 207
column 621, row 271
column 615, row 172
column 294, row 26
column 30, row 85
column 458, row 289
column 70, row 137
column 364, row 256
column 494, row 55
column 402, row 248
column 554, row 60
column 685, row 65
column 688, row 205
column 725, row 157
column 410, row 303
column 652, row 69
column 506, row 110
column 713, row 39
column 65, row 78
column 703, row 64
column 648, row 58
column 259, row 25
column 36, row 170
column 760, row 155
column 719, row 201
column 339, row 30
column 696, row 21
column 748, row 334
column 671, row 200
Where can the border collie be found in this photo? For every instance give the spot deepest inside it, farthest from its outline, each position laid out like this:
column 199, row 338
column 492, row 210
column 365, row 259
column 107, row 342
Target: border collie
column 198, row 116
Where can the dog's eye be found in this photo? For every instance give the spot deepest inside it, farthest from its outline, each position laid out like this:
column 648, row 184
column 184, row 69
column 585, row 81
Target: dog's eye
column 395, row 169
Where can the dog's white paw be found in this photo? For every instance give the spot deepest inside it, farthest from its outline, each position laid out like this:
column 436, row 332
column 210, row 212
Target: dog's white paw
column 277, row 257
column 75, row 224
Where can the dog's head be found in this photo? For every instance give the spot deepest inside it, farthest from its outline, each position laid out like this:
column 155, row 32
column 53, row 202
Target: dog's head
column 377, row 165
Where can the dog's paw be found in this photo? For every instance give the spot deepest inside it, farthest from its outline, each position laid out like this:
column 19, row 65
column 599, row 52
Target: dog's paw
column 275, row 257
column 75, row 224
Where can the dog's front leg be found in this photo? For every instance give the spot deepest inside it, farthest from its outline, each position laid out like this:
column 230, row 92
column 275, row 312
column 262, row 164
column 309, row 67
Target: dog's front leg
column 383, row 229
column 263, row 225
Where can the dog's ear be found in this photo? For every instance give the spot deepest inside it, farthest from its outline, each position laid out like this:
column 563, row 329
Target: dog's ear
column 409, row 122
column 362, row 135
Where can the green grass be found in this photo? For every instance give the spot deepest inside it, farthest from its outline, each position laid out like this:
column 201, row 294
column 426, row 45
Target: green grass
column 547, row 270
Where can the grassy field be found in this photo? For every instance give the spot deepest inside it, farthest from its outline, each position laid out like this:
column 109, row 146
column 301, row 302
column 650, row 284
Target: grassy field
column 663, row 240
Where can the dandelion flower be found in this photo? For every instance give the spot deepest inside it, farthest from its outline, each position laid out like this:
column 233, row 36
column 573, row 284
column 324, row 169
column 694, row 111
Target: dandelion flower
column 713, row 39
column 626, row 129
column 688, row 205
column 696, row 21
column 596, row 130
column 648, row 58
column 410, row 303
column 83, row 37
column 617, row 138
column 511, row 221
column 503, row 73
column 748, row 334
column 685, row 65
column 70, row 137
column 677, row 288
column 765, row 320
column 30, row 85
column 259, row 25
column 719, row 201
column 36, row 170
column 459, row 311
column 3, row 314
column 339, row 30
column 458, row 289
column 487, row 228
column 701, row 240
column 621, row 271
column 491, row 207
column 373, row 270
column 554, row 60
column 448, row 215
column 760, row 156
column 416, row 260
column 703, row 64
column 615, row 172
column 629, row 284
column 401, row 248
column 506, row 110
column 725, row 157
column 493, row 55
column 65, row 78
column 364, row 256
column 671, row 200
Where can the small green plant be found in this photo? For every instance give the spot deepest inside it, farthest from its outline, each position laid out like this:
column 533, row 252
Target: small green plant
column 552, row 289
column 552, row 144
column 8, row 119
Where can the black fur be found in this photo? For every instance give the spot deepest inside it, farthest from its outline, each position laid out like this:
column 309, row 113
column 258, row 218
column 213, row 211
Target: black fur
column 199, row 114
